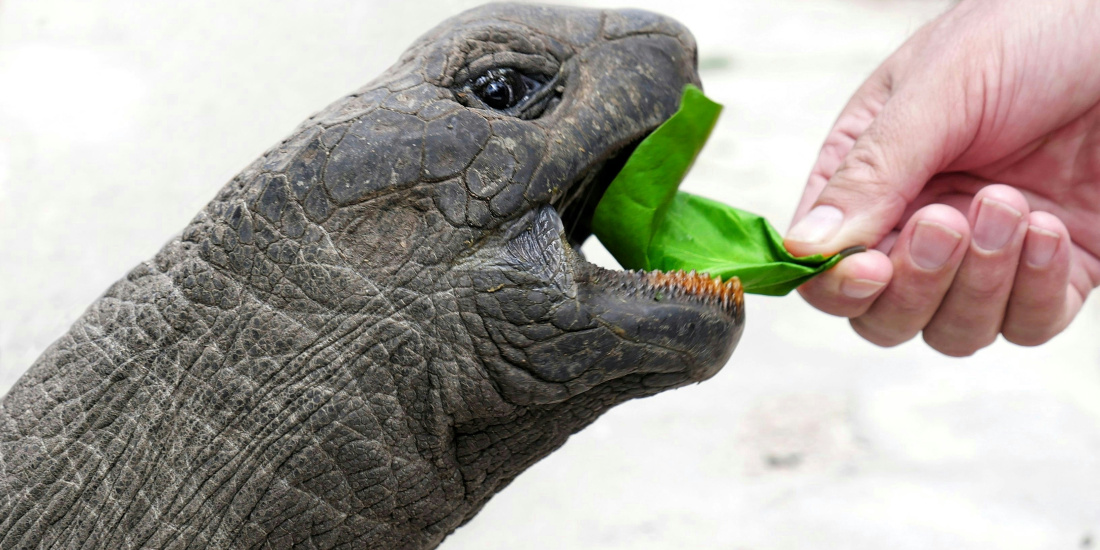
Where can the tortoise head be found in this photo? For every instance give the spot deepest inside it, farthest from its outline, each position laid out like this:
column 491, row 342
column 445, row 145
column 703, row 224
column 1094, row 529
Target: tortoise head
column 445, row 201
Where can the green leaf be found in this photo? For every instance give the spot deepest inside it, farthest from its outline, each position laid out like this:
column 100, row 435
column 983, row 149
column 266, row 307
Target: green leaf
column 632, row 208
column 647, row 224
column 710, row 237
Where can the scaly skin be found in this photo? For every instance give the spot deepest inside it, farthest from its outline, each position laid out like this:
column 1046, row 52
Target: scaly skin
column 378, row 324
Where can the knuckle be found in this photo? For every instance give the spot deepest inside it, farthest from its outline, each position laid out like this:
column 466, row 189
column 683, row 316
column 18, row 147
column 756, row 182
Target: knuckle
column 1027, row 336
column 985, row 287
column 865, row 175
column 880, row 334
column 947, row 341
column 832, row 155
column 957, row 353
column 825, row 298
column 982, row 292
column 866, row 167
column 866, row 161
column 911, row 305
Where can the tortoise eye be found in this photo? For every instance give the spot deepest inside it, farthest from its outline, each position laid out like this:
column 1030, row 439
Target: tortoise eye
column 502, row 89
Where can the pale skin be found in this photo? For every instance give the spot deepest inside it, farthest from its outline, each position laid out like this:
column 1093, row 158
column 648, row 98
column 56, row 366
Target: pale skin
column 970, row 162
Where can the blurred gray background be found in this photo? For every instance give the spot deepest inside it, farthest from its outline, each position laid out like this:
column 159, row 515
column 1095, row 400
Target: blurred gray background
column 119, row 120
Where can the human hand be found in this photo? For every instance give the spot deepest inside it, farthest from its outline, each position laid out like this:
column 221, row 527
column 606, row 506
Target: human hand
column 970, row 161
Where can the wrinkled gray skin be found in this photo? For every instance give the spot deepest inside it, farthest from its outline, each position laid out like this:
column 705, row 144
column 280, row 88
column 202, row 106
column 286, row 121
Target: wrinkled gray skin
column 378, row 324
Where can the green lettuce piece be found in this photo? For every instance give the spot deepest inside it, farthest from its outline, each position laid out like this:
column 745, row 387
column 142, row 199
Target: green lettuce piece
column 647, row 224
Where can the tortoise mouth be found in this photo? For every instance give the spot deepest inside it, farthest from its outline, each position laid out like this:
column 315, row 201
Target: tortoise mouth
column 576, row 208
column 678, row 287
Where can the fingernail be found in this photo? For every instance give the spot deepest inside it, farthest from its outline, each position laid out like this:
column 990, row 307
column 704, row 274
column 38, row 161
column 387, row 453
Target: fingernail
column 816, row 227
column 996, row 224
column 933, row 244
column 1040, row 246
column 860, row 288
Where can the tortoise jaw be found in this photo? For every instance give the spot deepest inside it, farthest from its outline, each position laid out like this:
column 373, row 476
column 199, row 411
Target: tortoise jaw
column 696, row 318
column 676, row 286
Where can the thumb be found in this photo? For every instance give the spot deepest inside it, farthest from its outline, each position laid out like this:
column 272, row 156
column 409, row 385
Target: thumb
column 884, row 170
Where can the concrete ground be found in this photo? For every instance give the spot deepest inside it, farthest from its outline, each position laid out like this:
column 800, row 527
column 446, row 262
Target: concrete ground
column 119, row 120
